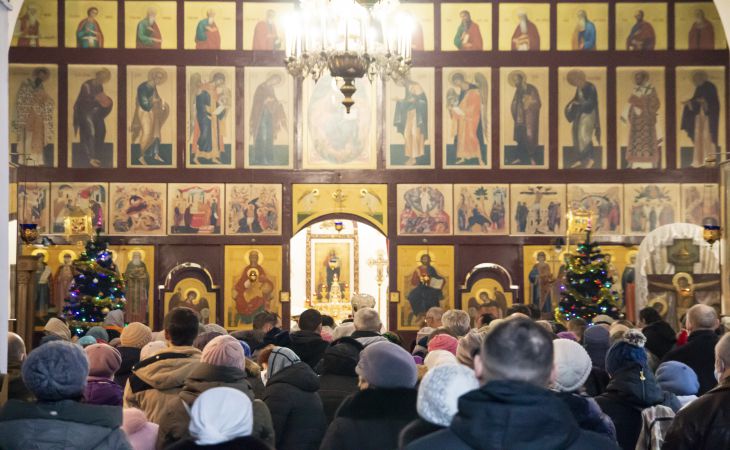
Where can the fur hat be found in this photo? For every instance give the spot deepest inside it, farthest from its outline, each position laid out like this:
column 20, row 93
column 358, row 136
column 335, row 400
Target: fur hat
column 439, row 392
column 443, row 342
column 572, row 365
column 677, row 378
column 386, row 365
column 439, row 358
column 224, row 351
column 104, row 360
column 98, row 333
column 136, row 335
column 58, row 327
column 626, row 352
column 56, row 371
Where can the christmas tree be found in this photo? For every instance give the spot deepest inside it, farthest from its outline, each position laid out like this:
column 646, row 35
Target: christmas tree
column 97, row 287
column 588, row 285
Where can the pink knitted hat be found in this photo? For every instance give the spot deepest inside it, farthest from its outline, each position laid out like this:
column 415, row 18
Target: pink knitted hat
column 443, row 342
column 104, row 360
column 224, row 351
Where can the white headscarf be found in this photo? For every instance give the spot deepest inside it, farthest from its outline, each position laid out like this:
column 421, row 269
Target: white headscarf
column 220, row 415
column 437, row 358
column 438, row 395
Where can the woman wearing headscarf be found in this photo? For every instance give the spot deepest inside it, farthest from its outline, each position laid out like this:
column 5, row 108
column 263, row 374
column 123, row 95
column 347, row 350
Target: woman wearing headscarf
column 114, row 323
column 134, row 336
column 58, row 328
column 291, row 395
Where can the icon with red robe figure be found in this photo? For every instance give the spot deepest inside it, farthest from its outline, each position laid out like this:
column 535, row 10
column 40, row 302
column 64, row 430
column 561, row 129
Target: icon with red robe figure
column 702, row 34
column 148, row 32
column 642, row 36
column 88, row 33
column 526, row 37
column 28, row 28
column 253, row 291
column 265, row 35
column 207, row 36
column 468, row 37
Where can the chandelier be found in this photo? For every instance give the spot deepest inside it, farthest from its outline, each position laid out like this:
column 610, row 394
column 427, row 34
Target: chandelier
column 350, row 39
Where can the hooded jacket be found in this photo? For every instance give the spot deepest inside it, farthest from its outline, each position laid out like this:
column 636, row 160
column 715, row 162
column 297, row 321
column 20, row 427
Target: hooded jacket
column 156, row 382
column 308, row 345
column 174, row 422
column 130, row 357
column 296, row 410
column 367, row 337
column 64, row 424
column 699, row 354
column 703, row 425
column 512, row 415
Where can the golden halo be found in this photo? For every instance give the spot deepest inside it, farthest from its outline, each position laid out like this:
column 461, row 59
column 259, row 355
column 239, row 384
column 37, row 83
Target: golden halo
column 483, row 291
column 629, row 254
column 660, row 304
column 534, row 254
column 40, row 251
column 420, row 254
column 247, row 256
column 142, row 253
column 63, row 253
column 679, row 276
column 196, row 291
column 158, row 70
column 512, row 75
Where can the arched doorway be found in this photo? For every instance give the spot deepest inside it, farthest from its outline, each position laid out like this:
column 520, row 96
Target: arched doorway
column 333, row 259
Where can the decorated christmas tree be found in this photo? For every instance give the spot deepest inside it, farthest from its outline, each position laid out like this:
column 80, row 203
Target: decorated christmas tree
column 588, row 289
column 97, row 287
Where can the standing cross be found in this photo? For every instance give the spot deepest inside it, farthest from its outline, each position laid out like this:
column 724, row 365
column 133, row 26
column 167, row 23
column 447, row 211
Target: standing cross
column 379, row 263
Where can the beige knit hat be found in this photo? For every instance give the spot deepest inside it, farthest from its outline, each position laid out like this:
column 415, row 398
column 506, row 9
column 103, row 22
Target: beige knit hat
column 136, row 335
column 59, row 328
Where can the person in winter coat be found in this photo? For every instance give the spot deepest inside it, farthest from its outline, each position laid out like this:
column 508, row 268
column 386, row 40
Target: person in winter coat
column 141, row 434
column 221, row 365
column 222, row 418
column 56, row 375
column 16, row 356
column 596, row 342
column 134, row 336
column 203, row 338
column 57, row 327
column 660, row 337
column 373, row 417
column 367, row 327
column 632, row 388
column 513, row 409
column 104, row 361
column 469, row 345
column 156, row 382
column 307, row 342
column 703, row 424
column 291, row 395
column 438, row 396
column 337, row 376
column 679, row 379
column 572, row 367
column 114, row 323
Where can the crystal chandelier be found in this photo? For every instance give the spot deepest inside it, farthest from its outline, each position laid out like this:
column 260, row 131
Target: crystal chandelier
column 350, row 39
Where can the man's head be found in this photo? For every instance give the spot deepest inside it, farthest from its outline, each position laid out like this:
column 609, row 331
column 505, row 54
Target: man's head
column 702, row 317
column 136, row 257
column 699, row 15
column 433, row 317
column 103, row 76
column 518, row 308
column 722, row 358
column 582, row 16
column 92, row 12
column 181, row 326
column 541, row 257
column 211, row 14
column 264, row 321
column 465, row 17
column 459, row 81
column 367, row 319
column 517, row 350
column 578, row 327
column 456, row 322
column 699, row 77
column 641, row 77
column 639, row 16
column 426, row 259
column 270, row 16
column 310, row 320
column 16, row 348
column 151, row 13
column 41, row 74
column 649, row 315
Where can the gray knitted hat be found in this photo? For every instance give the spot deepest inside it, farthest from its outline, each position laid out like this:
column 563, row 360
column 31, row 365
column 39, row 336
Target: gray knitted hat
column 386, row 365
column 56, row 371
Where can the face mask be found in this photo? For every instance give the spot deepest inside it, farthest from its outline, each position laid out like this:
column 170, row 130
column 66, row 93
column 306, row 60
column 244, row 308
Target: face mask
column 263, row 377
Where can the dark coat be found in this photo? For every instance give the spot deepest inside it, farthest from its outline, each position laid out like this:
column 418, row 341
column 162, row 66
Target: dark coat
column 296, row 409
column 16, row 387
column 416, row 430
column 130, row 357
column 65, row 424
column 102, row 391
column 660, row 338
column 247, row 443
column 333, row 390
column 371, row 419
column 596, row 382
column 699, row 354
column 308, row 345
column 511, row 415
column 338, row 378
column 626, row 395
column 704, row 424
column 588, row 414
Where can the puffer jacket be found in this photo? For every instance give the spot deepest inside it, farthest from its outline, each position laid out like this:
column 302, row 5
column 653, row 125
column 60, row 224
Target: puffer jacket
column 308, row 345
column 156, row 382
column 102, row 391
column 175, row 420
column 66, row 424
column 703, row 424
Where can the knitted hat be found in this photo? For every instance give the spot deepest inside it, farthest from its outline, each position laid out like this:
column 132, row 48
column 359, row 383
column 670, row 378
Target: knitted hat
column 114, row 318
column 104, row 360
column 627, row 352
column 59, row 328
column 246, row 348
column 151, row 349
column 204, row 338
column 136, row 335
column 215, row 327
column 86, row 341
column 279, row 359
column 140, row 433
column 386, row 365
column 603, row 318
column 98, row 333
column 443, row 342
column 568, row 335
column 677, row 378
column 224, row 351
column 56, row 371
column 572, row 365
column 439, row 358
column 595, row 341
column 439, row 392
column 468, row 345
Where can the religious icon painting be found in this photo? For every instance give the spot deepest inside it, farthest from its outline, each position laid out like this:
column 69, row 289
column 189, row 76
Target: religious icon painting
column 640, row 121
column 253, row 209
column 409, row 136
column 582, row 117
column 524, row 26
column 210, row 26
column 192, row 292
column 263, row 25
column 466, row 27
column 138, row 209
column 210, row 128
column 641, row 26
column 90, row 24
column 425, row 209
column 195, row 208
column 649, row 206
column 33, row 205
column 701, row 204
column 90, row 199
column 538, row 210
column 252, row 283
column 697, row 26
column 423, row 24
column 151, row 107
column 137, row 265
column 33, row 102
column 269, row 115
column 466, row 115
column 425, row 280
column 544, row 275
column 487, row 295
column 37, row 25
column 150, row 25
column 582, row 26
column 92, row 116
column 604, row 203
column 524, row 130
column 481, row 209
column 334, row 138
column 701, row 110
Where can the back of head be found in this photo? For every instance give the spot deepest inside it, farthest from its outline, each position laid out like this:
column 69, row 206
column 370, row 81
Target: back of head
column 98, row 333
column 385, row 365
column 215, row 327
column 367, row 319
column 438, row 358
column 181, row 326
column 628, row 352
column 577, row 326
column 136, row 335
column 702, row 317
column 260, row 320
column 722, row 352
column 469, row 345
column 277, row 359
column 310, row 320
column 224, row 350
column 439, row 392
column 204, row 338
column 104, row 360
column 342, row 357
column 360, row 301
column 16, row 348
column 56, row 371
column 572, row 365
column 328, row 321
column 457, row 322
column 219, row 415
column 649, row 315
column 436, row 313
column 596, row 343
column 517, row 350
column 518, row 308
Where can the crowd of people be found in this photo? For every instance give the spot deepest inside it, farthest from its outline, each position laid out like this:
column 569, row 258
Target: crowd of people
column 513, row 382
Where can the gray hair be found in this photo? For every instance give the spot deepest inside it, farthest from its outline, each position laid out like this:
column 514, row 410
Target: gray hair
column 456, row 322
column 367, row 319
column 16, row 348
column 702, row 317
column 722, row 350
column 435, row 312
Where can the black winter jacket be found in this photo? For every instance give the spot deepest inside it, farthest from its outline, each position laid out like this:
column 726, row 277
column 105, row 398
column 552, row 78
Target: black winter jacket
column 308, row 345
column 416, row 430
column 333, row 390
column 704, row 424
column 130, row 357
column 660, row 338
column 699, row 354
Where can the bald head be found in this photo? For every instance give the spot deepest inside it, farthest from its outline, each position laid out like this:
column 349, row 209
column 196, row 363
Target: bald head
column 702, row 317
column 722, row 357
column 16, row 348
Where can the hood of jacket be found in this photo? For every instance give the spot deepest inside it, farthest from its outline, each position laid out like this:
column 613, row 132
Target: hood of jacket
column 205, row 376
column 367, row 337
column 65, row 411
column 381, row 404
column 627, row 385
column 299, row 375
column 513, row 414
column 168, row 369
column 307, row 344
